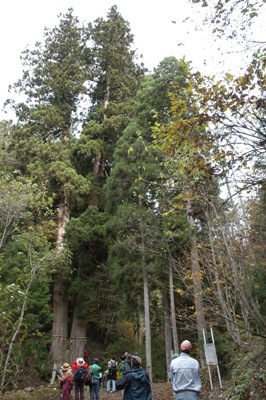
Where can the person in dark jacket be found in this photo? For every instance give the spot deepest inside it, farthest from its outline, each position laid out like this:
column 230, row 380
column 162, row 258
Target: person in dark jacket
column 135, row 382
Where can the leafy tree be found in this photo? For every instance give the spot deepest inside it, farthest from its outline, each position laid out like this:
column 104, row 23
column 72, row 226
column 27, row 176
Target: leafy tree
column 232, row 18
column 25, row 260
column 53, row 81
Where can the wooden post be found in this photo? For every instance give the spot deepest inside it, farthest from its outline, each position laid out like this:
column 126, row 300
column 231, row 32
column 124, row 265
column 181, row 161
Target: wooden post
column 54, row 373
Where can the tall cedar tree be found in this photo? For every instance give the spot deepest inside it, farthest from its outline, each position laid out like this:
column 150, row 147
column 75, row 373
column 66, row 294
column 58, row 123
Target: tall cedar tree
column 115, row 77
column 53, row 80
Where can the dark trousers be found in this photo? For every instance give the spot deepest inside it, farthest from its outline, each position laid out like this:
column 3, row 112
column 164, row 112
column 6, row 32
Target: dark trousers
column 79, row 390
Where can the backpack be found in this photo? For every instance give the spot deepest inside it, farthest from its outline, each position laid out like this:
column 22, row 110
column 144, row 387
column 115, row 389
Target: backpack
column 88, row 377
column 121, row 367
column 112, row 368
column 80, row 374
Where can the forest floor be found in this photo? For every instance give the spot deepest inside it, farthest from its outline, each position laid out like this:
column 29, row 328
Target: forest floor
column 160, row 391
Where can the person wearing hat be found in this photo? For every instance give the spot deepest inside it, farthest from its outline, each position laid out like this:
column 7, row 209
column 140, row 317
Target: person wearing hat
column 135, row 382
column 185, row 374
column 79, row 385
column 66, row 380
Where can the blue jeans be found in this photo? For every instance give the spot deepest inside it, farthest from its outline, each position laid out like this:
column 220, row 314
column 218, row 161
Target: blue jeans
column 95, row 389
column 186, row 395
column 110, row 383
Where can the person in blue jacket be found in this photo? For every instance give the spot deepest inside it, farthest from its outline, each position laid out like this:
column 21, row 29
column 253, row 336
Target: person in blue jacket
column 135, row 382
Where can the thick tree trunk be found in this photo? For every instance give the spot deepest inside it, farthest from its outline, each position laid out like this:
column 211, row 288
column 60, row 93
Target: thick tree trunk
column 60, row 296
column 60, row 328
column 77, row 337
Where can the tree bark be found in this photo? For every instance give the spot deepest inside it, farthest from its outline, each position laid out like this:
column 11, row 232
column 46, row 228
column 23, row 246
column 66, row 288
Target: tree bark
column 77, row 337
column 60, row 296
column 140, row 329
column 173, row 313
column 222, row 294
column 167, row 329
column 147, row 323
column 197, row 285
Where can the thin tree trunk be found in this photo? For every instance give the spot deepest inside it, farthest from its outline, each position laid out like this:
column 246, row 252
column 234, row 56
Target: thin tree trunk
column 197, row 286
column 167, row 329
column 147, row 323
column 140, row 329
column 146, row 300
column 241, row 284
column 222, row 294
column 172, row 304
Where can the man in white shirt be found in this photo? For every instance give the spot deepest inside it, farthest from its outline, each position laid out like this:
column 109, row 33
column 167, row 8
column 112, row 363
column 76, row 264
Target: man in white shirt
column 184, row 373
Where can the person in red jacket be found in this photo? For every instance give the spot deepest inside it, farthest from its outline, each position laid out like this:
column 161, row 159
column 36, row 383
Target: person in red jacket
column 79, row 385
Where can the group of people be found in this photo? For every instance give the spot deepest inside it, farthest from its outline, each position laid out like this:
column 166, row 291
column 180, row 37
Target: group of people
column 70, row 378
column 133, row 380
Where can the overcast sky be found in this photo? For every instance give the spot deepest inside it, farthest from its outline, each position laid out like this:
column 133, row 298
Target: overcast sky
column 22, row 23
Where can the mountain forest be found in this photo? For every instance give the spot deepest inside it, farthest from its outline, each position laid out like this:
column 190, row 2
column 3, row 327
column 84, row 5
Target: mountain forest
column 132, row 204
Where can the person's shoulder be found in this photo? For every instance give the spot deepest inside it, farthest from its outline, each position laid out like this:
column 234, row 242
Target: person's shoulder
column 195, row 360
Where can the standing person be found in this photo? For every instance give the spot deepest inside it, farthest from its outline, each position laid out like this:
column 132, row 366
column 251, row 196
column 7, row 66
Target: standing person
column 66, row 380
column 96, row 375
column 121, row 367
column 185, row 374
column 86, row 355
column 136, row 382
column 112, row 367
column 128, row 357
column 79, row 367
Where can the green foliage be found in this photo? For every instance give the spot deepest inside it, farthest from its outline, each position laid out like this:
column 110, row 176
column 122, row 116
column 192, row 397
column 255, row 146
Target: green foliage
column 115, row 76
column 248, row 371
column 159, row 372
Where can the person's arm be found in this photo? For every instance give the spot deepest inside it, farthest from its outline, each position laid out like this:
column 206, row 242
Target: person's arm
column 170, row 374
column 67, row 375
column 121, row 383
column 147, row 376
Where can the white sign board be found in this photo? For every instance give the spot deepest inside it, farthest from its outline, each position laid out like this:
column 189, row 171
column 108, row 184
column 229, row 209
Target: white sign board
column 210, row 354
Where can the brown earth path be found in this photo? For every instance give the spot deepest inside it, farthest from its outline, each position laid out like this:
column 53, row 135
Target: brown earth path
column 160, row 391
